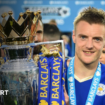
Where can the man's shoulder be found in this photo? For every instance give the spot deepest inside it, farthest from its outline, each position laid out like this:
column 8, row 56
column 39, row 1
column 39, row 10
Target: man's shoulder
column 103, row 68
column 103, row 72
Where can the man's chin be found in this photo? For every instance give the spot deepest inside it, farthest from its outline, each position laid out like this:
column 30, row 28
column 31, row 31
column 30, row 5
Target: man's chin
column 88, row 62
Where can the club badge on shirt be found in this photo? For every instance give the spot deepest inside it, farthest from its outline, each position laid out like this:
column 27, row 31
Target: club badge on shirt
column 101, row 90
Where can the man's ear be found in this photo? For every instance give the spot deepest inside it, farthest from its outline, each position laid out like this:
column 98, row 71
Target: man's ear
column 73, row 36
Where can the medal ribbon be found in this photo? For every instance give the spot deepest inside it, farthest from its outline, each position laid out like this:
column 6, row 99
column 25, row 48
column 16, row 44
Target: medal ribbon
column 71, row 84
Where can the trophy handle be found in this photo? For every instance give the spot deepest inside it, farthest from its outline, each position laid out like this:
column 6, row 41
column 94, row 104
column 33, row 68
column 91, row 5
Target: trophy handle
column 52, row 42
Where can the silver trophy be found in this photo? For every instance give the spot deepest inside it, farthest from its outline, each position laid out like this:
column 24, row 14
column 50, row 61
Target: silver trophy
column 20, row 72
column 17, row 75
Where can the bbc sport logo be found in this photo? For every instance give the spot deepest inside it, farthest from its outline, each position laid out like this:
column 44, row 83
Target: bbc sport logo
column 4, row 92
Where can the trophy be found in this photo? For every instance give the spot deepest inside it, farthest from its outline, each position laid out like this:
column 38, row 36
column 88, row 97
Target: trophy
column 19, row 70
column 26, row 80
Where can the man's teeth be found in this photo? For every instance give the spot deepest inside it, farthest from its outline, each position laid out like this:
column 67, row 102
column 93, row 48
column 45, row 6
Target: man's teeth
column 88, row 52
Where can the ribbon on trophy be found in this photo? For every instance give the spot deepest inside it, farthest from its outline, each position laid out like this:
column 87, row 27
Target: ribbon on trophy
column 51, row 78
column 56, row 81
column 44, row 81
column 63, row 86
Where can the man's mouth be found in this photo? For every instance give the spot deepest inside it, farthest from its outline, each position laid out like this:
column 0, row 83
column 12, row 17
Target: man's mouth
column 88, row 52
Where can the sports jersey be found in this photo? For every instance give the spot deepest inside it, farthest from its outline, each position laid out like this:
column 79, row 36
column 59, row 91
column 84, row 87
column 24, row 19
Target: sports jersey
column 67, row 50
column 82, row 90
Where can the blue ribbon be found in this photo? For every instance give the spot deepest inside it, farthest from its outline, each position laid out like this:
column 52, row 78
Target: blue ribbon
column 71, row 84
column 44, row 81
column 63, row 84
column 56, row 81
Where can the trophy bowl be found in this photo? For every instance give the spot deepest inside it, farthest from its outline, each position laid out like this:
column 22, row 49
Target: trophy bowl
column 17, row 76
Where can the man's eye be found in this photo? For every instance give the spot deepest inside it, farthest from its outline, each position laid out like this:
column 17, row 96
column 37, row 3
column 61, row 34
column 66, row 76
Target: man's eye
column 103, row 52
column 39, row 32
column 83, row 37
column 97, row 39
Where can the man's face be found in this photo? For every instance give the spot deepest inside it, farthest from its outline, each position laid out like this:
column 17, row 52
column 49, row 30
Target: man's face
column 39, row 32
column 89, row 41
column 102, row 57
column 38, row 36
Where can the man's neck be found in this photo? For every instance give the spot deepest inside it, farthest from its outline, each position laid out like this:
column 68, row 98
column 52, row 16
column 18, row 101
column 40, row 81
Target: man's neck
column 82, row 70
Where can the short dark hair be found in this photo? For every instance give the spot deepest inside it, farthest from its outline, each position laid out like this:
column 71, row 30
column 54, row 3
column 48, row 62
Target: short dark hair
column 91, row 15
column 51, row 32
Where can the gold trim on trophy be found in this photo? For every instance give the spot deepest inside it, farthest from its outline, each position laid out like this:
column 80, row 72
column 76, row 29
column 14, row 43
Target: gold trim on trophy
column 10, row 13
column 28, row 12
column 4, row 15
column 36, row 59
column 52, row 51
column 21, row 14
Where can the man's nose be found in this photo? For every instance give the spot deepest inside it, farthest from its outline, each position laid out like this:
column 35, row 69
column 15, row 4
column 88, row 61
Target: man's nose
column 89, row 43
column 35, row 38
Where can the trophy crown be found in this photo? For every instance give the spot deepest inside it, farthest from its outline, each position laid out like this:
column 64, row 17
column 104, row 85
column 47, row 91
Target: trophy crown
column 28, row 12
column 18, row 32
column 4, row 15
column 39, row 11
column 21, row 14
column 10, row 13
column 35, row 13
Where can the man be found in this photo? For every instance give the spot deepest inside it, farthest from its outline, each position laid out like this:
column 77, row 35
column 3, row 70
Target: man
column 51, row 33
column 39, row 31
column 38, row 35
column 88, row 87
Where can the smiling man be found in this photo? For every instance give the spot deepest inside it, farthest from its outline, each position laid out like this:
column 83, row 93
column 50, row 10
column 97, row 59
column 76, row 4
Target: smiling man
column 85, row 74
